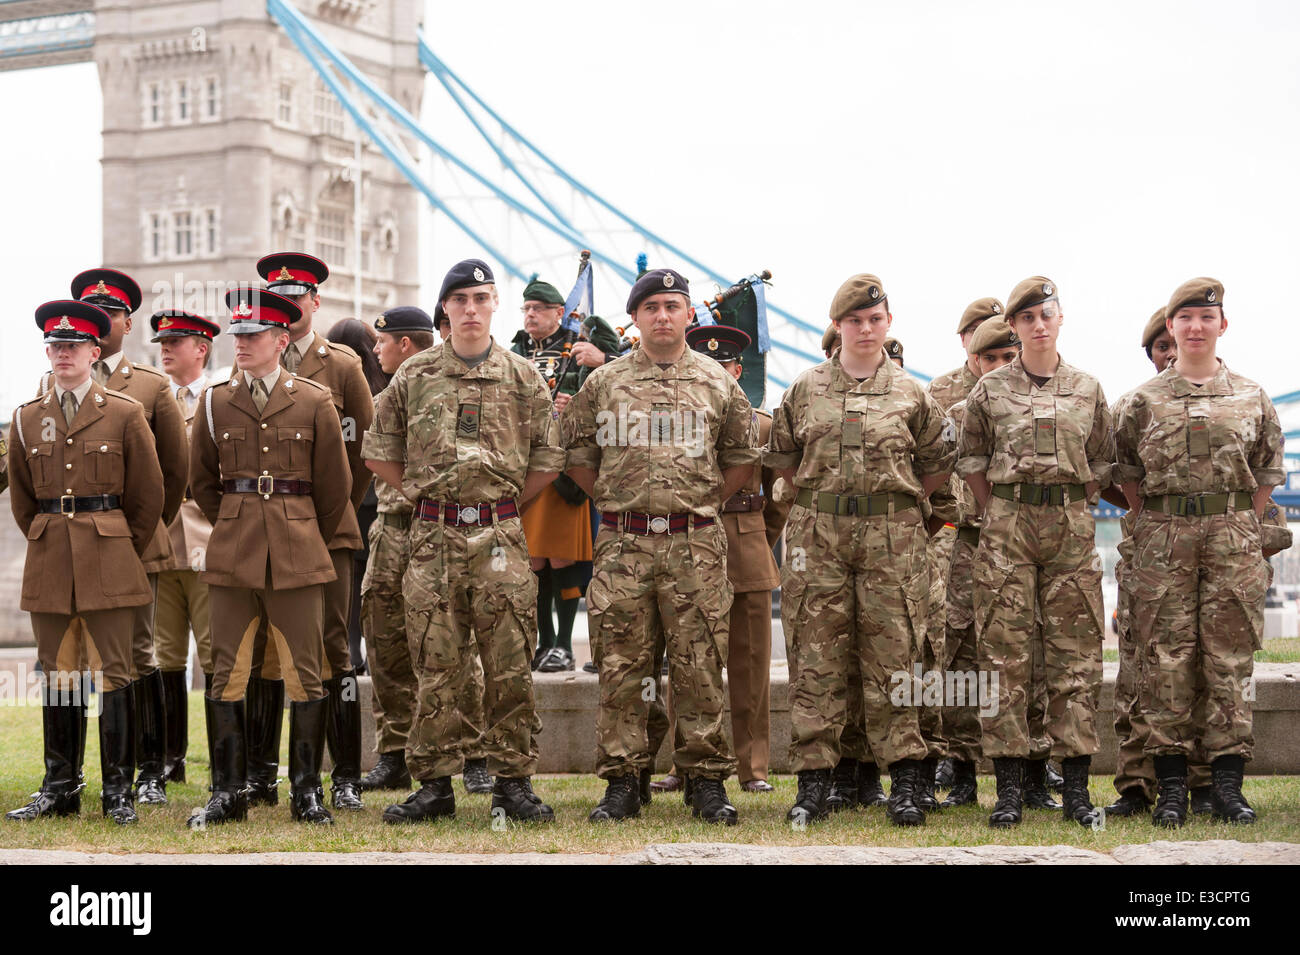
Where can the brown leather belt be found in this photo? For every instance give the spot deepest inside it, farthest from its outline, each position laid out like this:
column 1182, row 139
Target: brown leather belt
column 635, row 523
column 71, row 504
column 265, row 486
column 742, row 501
column 466, row 515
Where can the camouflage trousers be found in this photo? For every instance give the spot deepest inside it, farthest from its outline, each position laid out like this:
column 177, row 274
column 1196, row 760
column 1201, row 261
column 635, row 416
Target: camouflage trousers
column 853, row 601
column 961, row 724
column 933, row 652
column 646, row 589
column 1197, row 587
column 467, row 586
column 1037, row 581
column 389, row 652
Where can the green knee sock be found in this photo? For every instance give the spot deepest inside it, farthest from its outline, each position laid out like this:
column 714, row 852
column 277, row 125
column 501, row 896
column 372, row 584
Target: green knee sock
column 545, row 625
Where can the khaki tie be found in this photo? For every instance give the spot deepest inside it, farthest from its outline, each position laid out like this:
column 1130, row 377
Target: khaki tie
column 260, row 397
column 183, row 399
column 69, row 404
column 99, row 371
column 291, row 359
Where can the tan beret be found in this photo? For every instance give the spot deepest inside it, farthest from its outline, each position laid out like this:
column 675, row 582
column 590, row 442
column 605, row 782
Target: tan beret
column 1034, row 290
column 893, row 348
column 830, row 339
column 860, row 291
column 1201, row 292
column 1155, row 325
column 995, row 333
column 977, row 311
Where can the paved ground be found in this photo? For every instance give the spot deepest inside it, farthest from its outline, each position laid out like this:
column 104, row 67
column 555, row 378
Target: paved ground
column 1212, row 852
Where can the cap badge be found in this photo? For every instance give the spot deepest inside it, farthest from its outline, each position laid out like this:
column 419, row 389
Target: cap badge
column 713, row 344
column 873, row 292
column 1047, row 288
column 283, row 274
column 381, row 322
column 668, row 280
column 244, row 310
column 1209, row 295
column 101, row 288
column 165, row 322
column 997, row 309
column 1013, row 339
column 478, row 274
column 64, row 324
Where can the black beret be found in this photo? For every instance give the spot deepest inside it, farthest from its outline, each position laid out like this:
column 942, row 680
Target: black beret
column 404, row 318
column 177, row 323
column 107, row 288
column 466, row 274
column 653, row 282
column 440, row 315
column 719, row 342
column 67, row 320
column 292, row 273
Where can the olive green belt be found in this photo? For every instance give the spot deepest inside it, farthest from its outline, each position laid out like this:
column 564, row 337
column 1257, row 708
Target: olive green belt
column 969, row 535
column 1039, row 493
column 1197, row 505
column 401, row 519
column 860, row 505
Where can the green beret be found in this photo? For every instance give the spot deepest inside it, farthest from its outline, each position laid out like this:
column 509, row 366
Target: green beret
column 1034, row 290
column 977, row 311
column 539, row 291
column 893, row 348
column 1200, row 292
column 995, row 333
column 860, row 291
column 830, row 339
column 1155, row 325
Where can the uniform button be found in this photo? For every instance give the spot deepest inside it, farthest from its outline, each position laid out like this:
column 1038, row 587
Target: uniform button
column 67, row 467
column 263, row 426
column 266, row 450
column 68, row 491
column 69, row 441
column 225, row 435
column 266, row 472
column 298, row 435
column 103, row 447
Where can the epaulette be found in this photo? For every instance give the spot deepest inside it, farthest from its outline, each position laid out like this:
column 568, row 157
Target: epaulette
column 299, row 381
column 147, row 369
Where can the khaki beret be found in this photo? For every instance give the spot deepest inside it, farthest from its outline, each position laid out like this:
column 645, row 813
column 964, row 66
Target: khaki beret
column 1155, row 325
column 1034, row 290
column 1201, row 292
column 995, row 333
column 977, row 311
column 893, row 348
column 860, row 291
column 830, row 339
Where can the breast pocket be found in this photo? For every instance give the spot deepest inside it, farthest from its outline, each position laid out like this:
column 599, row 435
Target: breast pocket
column 295, row 446
column 427, row 437
column 103, row 460
column 229, row 444
column 40, row 464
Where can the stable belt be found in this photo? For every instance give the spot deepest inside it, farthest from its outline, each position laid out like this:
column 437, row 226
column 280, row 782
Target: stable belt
column 398, row 519
column 969, row 535
column 70, row 504
column 860, row 505
column 743, row 501
column 1040, row 493
column 466, row 515
column 1197, row 505
column 635, row 523
column 265, row 486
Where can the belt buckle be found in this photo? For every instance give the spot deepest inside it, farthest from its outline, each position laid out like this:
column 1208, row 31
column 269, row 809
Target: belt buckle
column 265, row 485
column 852, row 504
column 658, row 525
column 68, row 504
column 468, row 515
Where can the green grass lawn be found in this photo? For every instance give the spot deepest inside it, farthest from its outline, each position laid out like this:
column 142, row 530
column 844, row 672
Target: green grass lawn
column 762, row 817
column 1277, row 650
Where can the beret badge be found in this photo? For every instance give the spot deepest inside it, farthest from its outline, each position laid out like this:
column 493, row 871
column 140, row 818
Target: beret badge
column 1047, row 288
column 873, row 292
column 478, row 274
column 1209, row 295
column 668, row 281
column 380, row 322
column 997, row 309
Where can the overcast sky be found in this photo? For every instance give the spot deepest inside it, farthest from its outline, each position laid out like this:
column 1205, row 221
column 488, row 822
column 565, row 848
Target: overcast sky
column 950, row 148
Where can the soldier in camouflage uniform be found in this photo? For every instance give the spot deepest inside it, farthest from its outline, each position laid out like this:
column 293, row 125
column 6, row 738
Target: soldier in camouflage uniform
column 467, row 431
column 862, row 445
column 659, row 439
column 1036, row 446
column 1199, row 449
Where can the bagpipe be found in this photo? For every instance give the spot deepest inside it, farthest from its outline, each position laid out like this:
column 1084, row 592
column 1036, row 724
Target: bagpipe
column 744, row 306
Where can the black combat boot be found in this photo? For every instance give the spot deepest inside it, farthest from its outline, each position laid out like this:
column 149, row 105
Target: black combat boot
column 117, row 754
column 1203, row 801
column 1171, row 800
column 1076, row 803
column 904, row 780
column 1230, row 805
column 965, row 790
column 307, row 723
column 343, row 737
column 709, row 801
column 64, row 727
column 229, row 760
column 843, row 793
column 176, row 701
column 516, row 797
column 1055, row 781
column 150, row 739
column 475, row 777
column 924, row 792
column 647, row 791
column 1034, row 791
column 870, row 791
column 264, row 702
column 389, row 773
column 946, row 773
column 1132, row 801
column 621, row 801
column 810, row 804
column 433, row 800
column 1007, row 810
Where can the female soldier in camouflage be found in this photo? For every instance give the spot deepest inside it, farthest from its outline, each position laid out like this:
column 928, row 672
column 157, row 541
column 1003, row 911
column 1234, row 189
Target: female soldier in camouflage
column 1199, row 449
